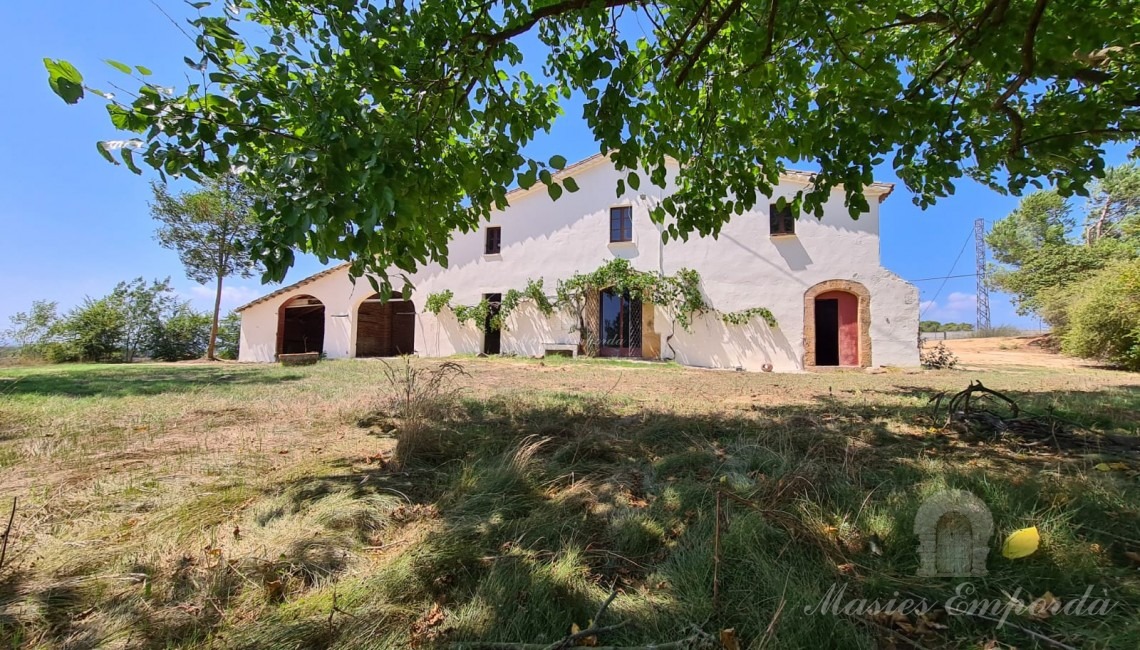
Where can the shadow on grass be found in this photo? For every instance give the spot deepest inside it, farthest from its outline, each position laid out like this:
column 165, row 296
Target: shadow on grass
column 127, row 380
column 542, row 503
column 526, row 508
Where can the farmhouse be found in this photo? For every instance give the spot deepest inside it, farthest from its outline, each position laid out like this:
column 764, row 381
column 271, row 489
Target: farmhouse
column 778, row 293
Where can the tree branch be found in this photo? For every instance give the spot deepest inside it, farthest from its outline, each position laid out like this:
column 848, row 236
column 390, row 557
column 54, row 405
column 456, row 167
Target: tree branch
column 772, row 7
column 1028, row 59
column 676, row 49
column 732, row 8
column 549, row 11
column 905, row 20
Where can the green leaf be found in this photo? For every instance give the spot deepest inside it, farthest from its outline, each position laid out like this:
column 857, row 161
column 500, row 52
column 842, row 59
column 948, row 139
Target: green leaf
column 558, row 162
column 554, row 190
column 129, row 160
column 106, row 154
column 571, row 185
column 64, row 80
column 121, row 67
column 634, row 181
column 143, row 70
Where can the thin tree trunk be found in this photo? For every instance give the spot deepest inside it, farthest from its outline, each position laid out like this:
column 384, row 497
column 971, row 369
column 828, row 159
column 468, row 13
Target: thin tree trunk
column 214, row 324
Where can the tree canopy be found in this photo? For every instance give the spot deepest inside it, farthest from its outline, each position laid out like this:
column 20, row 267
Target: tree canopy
column 1079, row 273
column 373, row 130
column 209, row 228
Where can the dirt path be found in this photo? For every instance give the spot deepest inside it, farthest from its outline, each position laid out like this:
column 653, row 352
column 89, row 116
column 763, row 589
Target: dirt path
column 1010, row 351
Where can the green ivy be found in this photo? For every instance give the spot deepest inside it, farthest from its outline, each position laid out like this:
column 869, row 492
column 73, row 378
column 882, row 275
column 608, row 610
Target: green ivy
column 476, row 313
column 436, row 302
column 743, row 316
column 533, row 292
column 680, row 294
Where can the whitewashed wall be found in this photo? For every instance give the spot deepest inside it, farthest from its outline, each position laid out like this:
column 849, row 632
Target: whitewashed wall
column 743, row 268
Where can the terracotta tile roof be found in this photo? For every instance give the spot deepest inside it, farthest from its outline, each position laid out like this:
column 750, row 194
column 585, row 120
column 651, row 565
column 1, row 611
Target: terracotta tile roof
column 295, row 285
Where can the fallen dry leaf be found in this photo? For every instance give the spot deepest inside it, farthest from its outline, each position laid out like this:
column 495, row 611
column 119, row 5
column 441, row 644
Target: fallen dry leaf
column 424, row 630
column 728, row 639
column 586, row 641
column 1044, row 607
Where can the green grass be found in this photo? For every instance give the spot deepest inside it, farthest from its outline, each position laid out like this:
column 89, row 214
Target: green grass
column 255, row 507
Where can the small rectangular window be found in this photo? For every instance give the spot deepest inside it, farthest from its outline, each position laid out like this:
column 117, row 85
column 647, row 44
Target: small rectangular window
column 781, row 222
column 621, row 224
column 494, row 240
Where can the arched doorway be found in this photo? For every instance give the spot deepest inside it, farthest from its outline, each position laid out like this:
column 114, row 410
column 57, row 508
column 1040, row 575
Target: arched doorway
column 837, row 325
column 301, row 326
column 836, row 329
column 385, row 329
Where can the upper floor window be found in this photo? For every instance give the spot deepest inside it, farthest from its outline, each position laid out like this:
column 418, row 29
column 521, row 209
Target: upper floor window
column 621, row 224
column 781, row 222
column 493, row 243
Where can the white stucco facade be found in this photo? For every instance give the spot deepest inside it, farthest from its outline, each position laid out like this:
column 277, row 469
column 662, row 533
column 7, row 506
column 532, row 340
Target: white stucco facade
column 743, row 267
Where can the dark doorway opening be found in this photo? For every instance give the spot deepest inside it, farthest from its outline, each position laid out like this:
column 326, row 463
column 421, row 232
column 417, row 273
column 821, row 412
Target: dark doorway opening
column 620, row 326
column 385, row 329
column 492, row 332
column 827, row 332
column 301, row 326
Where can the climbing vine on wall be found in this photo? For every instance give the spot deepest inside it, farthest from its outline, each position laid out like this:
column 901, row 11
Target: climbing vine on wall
column 437, row 302
column 533, row 292
column 744, row 316
column 678, row 294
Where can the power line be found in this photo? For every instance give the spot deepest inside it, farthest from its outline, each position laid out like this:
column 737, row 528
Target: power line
column 942, row 286
column 946, row 277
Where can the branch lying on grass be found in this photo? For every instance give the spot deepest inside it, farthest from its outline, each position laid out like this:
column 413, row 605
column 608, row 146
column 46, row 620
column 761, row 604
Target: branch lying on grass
column 964, row 409
column 7, row 533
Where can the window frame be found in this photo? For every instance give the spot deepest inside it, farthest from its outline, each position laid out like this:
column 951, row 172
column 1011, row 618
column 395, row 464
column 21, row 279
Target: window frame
column 781, row 223
column 498, row 248
column 624, row 223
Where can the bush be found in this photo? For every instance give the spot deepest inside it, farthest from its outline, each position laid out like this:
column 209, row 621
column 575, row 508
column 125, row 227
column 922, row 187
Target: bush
column 939, row 357
column 184, row 335
column 1104, row 322
column 92, row 331
column 229, row 336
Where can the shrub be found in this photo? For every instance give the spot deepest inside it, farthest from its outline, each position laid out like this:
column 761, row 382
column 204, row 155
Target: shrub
column 938, row 358
column 229, row 336
column 184, row 335
column 1104, row 322
column 92, row 331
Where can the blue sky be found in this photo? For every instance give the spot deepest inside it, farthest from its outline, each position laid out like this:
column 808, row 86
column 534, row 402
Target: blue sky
column 74, row 225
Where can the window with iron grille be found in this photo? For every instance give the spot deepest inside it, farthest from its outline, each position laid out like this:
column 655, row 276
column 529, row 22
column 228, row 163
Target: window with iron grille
column 494, row 240
column 621, row 224
column 781, row 222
